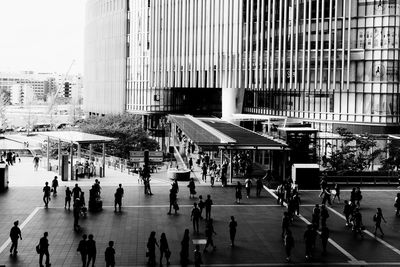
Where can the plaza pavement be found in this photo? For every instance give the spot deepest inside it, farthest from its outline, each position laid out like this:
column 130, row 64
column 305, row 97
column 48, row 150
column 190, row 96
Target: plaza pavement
column 258, row 238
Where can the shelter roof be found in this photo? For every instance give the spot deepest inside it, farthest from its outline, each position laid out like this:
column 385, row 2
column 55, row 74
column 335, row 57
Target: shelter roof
column 77, row 137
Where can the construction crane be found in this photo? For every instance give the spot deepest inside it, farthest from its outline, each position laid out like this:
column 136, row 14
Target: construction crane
column 53, row 98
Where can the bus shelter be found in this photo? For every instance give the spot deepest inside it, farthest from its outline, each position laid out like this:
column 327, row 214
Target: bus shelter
column 75, row 138
column 214, row 134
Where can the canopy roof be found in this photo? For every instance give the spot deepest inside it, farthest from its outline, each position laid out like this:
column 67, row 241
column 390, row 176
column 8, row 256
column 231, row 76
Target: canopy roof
column 222, row 134
column 77, row 137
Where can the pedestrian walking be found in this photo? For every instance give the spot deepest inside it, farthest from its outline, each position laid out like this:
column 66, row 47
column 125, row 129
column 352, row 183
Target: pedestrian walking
column 76, row 212
column 36, row 160
column 309, row 239
column 358, row 196
column 296, row 202
column 46, row 195
column 326, row 196
column 204, row 172
column 209, row 235
column 232, row 230
column 316, row 215
column 15, row 234
column 378, row 218
column 185, row 248
column 110, row 254
column 164, row 249
column 357, row 223
column 238, row 192
column 195, row 217
column 397, row 204
column 82, row 249
column 324, row 215
column 259, row 186
column 172, row 200
column 347, row 211
column 208, row 204
column 119, row 193
column 324, row 238
column 247, row 184
column 280, row 192
column 285, row 223
column 197, row 257
column 190, row 164
column 336, row 193
column 91, row 251
column 54, row 185
column 289, row 244
column 68, row 195
column 192, row 188
column 201, row 206
column 43, row 250
column 76, row 192
column 151, row 249
column 212, row 177
column 323, row 184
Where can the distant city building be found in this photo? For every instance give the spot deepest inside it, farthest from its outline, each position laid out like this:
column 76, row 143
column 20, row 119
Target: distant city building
column 41, row 84
column 22, row 94
column 330, row 63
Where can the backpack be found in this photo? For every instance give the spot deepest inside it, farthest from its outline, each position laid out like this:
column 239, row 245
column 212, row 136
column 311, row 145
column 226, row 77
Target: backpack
column 374, row 218
column 38, row 249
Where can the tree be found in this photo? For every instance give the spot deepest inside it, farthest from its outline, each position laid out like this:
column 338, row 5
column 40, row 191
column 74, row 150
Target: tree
column 354, row 152
column 126, row 128
column 392, row 162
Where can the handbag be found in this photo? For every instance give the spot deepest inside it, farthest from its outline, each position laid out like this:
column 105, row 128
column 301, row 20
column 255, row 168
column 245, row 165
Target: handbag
column 168, row 254
column 38, row 249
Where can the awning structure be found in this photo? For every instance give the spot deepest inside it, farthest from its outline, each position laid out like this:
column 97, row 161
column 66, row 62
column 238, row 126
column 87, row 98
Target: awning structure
column 78, row 137
column 222, row 134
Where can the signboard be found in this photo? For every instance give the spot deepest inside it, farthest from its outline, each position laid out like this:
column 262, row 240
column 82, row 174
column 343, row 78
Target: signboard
column 137, row 159
column 138, row 156
column 136, row 153
column 156, row 156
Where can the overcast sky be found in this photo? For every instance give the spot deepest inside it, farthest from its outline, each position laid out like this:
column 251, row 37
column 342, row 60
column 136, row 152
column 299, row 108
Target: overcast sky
column 41, row 35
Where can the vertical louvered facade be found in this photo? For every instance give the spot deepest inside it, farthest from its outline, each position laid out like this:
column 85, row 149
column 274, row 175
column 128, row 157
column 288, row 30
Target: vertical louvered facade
column 328, row 62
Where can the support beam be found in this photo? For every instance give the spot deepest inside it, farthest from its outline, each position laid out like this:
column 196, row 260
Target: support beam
column 230, row 165
column 71, row 155
column 48, row 153
column 104, row 159
column 90, row 152
column 59, row 157
column 79, row 152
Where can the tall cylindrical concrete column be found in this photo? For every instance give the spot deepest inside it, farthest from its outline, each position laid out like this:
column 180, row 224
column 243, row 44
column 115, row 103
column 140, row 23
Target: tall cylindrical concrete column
column 232, row 102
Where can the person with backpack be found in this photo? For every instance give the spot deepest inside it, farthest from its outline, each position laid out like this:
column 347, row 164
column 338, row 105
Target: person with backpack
column 54, row 185
column 289, row 244
column 82, row 249
column 377, row 218
column 15, row 234
column 43, row 249
column 195, row 217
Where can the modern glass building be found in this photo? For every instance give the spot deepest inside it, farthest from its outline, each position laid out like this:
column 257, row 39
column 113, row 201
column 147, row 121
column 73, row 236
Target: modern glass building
column 332, row 63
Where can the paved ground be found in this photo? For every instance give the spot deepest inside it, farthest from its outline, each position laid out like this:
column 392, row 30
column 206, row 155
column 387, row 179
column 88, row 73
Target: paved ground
column 258, row 237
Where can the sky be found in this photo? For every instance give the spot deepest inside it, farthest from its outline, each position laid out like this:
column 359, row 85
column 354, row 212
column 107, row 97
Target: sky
column 42, row 35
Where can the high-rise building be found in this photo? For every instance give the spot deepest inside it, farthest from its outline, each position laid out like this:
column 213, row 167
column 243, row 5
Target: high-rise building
column 331, row 63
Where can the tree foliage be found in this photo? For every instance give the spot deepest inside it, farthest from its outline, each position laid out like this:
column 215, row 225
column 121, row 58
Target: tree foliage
column 355, row 153
column 126, row 128
column 392, row 162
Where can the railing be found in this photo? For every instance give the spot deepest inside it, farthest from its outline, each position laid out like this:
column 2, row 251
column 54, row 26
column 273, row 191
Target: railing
column 363, row 180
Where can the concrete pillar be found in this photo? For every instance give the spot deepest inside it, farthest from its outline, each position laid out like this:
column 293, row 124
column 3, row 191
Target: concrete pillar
column 59, row 157
column 90, row 151
column 232, row 102
column 79, row 152
column 104, row 159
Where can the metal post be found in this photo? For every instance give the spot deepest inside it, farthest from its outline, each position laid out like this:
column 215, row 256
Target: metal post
column 230, row 165
column 284, row 164
column 104, row 159
column 59, row 157
column 48, row 153
column 71, row 154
